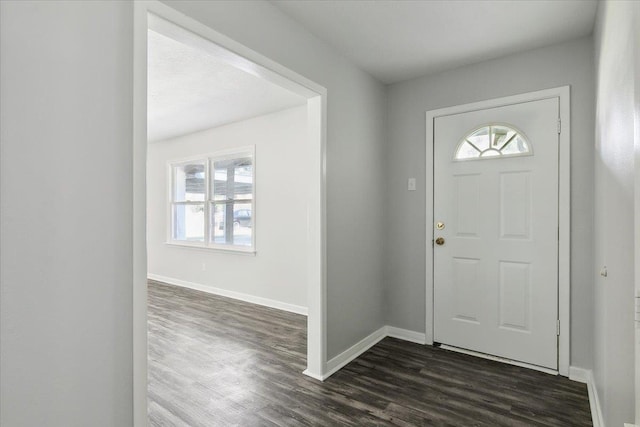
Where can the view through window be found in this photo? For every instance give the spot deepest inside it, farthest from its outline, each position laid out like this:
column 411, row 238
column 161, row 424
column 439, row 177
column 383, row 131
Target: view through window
column 212, row 200
column 492, row 141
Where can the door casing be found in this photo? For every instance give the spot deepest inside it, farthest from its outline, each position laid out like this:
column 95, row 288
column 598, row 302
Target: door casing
column 564, row 207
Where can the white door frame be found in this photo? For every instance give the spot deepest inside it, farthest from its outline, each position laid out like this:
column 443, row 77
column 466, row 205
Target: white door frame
column 564, row 208
column 252, row 62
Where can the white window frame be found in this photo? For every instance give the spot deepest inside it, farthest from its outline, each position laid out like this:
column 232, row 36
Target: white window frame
column 209, row 159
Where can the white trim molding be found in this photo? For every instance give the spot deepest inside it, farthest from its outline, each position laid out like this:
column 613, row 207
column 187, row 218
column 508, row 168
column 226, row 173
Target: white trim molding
column 580, row 375
column 406, row 335
column 564, row 207
column 586, row 376
column 353, row 352
column 314, row 375
column 292, row 308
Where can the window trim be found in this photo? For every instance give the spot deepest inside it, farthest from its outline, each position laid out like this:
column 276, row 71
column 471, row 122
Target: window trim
column 208, row 159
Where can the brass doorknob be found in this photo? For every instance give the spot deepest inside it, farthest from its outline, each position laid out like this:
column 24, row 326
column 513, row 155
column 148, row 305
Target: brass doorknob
column 440, row 241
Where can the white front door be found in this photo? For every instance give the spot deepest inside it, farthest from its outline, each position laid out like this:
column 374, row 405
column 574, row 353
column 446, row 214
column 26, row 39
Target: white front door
column 496, row 231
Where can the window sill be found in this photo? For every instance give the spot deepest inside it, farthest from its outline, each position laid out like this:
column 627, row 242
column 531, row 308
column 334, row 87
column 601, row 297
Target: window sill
column 239, row 250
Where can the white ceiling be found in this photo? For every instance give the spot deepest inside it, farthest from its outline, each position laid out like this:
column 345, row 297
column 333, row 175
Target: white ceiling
column 399, row 40
column 190, row 90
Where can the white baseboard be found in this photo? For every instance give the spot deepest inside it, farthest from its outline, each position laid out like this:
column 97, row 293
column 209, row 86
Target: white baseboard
column 231, row 294
column 580, row 375
column 341, row 360
column 586, row 376
column 314, row 376
column 406, row 335
column 338, row 362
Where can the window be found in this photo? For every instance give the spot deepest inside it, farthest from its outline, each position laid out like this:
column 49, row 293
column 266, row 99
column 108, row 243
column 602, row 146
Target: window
column 212, row 201
column 492, row 141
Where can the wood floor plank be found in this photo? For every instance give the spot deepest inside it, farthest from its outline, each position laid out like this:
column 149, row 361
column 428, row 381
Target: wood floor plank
column 215, row 361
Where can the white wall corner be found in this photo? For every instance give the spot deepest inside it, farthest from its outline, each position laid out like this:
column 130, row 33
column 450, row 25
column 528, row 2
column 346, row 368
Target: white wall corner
column 406, row 335
column 292, row 308
column 586, row 376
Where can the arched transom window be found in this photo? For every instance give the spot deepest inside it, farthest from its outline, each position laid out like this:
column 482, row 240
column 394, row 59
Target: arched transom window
column 492, row 141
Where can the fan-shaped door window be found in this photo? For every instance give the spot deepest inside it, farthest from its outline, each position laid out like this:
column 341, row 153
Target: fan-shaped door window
column 492, row 141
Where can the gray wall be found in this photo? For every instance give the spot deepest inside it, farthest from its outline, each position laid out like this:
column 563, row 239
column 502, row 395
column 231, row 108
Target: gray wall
column 566, row 64
column 355, row 152
column 66, row 331
column 66, row 269
column 67, row 151
column 615, row 41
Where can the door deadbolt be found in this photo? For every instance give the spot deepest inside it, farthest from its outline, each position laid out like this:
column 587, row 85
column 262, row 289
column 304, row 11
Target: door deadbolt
column 440, row 241
column 440, row 225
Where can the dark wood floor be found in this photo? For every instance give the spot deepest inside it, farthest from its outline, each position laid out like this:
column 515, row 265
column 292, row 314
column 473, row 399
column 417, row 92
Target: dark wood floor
column 215, row 361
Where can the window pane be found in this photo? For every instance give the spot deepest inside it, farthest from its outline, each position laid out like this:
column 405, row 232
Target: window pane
column 492, row 141
column 467, row 151
column 189, row 182
column 516, row 146
column 480, row 138
column 242, row 224
column 236, row 232
column 217, row 223
column 233, row 179
column 188, row 222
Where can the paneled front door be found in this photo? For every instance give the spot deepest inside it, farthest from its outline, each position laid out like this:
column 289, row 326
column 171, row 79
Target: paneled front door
column 496, row 231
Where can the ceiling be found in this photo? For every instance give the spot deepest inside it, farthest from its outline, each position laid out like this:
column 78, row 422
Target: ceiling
column 399, row 40
column 191, row 90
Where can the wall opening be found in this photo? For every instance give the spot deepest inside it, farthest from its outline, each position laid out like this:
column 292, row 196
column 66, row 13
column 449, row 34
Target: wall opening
column 308, row 106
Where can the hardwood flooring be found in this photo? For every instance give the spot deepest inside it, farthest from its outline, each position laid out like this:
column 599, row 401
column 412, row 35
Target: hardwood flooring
column 215, row 361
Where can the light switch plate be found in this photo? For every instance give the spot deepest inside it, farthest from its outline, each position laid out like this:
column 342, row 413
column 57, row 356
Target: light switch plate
column 411, row 184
